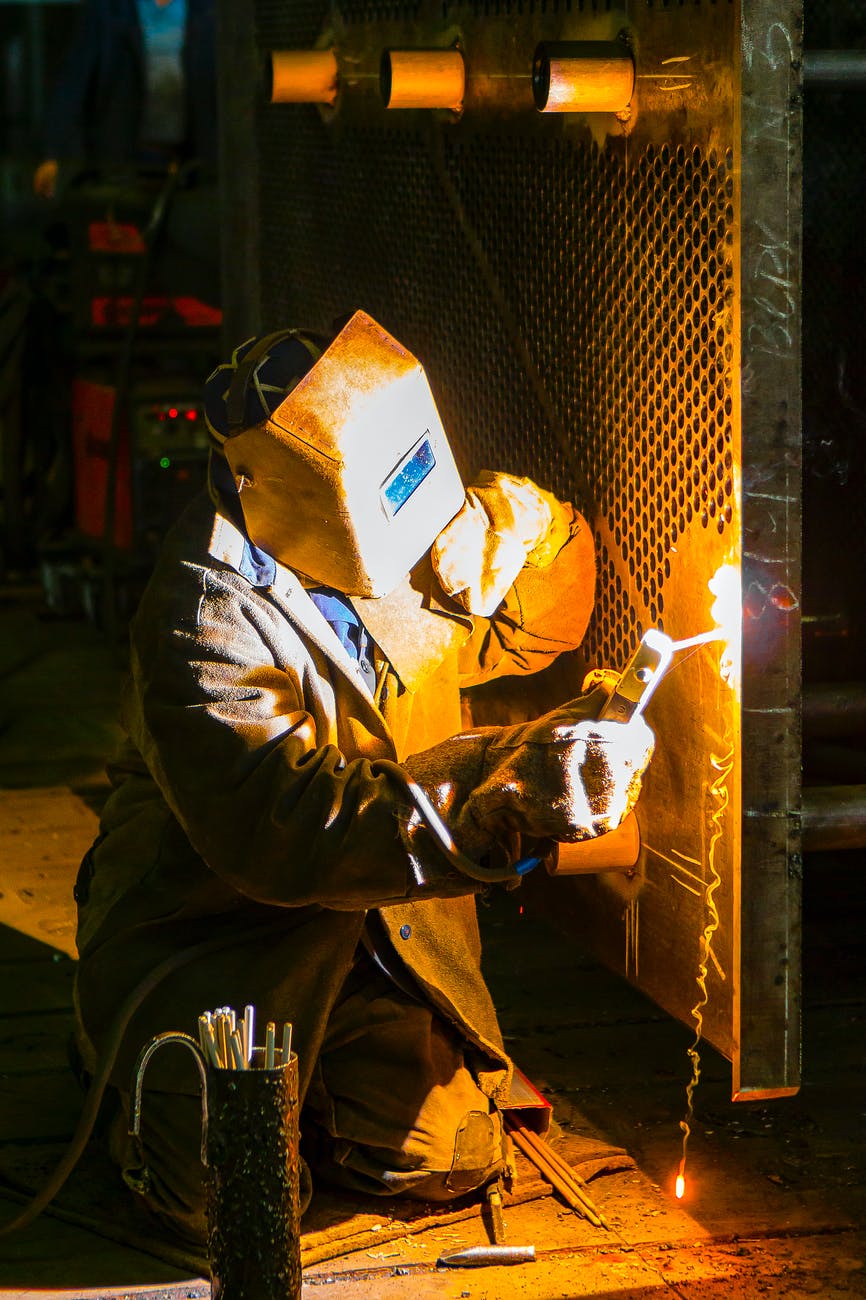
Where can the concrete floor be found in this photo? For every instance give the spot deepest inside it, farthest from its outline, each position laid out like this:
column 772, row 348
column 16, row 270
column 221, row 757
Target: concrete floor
column 777, row 1191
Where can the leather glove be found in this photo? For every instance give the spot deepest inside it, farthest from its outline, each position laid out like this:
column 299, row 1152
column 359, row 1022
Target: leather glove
column 504, row 523
column 565, row 776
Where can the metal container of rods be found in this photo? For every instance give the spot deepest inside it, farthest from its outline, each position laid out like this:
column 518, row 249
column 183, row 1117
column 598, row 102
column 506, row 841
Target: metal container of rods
column 250, row 1153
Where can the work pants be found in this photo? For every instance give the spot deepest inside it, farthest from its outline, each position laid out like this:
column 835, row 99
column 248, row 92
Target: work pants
column 393, row 1109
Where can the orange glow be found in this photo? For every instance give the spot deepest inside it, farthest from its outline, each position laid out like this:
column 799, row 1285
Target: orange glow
column 304, row 77
column 423, row 79
column 583, row 78
column 726, row 613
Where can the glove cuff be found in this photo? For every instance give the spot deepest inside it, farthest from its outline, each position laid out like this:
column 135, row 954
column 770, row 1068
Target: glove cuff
column 448, row 773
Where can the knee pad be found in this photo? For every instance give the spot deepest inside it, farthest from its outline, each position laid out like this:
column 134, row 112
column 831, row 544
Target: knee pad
column 478, row 1152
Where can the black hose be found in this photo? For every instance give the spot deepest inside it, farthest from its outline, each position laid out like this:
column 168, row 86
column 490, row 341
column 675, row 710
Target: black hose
column 445, row 840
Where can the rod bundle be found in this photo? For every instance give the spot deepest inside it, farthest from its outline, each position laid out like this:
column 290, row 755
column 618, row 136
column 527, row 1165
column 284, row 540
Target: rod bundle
column 558, row 1173
column 229, row 1043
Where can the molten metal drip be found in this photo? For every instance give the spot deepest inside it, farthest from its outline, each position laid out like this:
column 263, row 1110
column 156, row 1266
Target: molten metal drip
column 719, row 792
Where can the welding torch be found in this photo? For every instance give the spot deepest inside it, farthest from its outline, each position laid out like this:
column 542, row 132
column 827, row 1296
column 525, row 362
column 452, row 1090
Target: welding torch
column 640, row 678
column 619, row 849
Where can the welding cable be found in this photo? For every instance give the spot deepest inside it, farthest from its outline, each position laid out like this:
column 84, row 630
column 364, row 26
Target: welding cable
column 445, row 840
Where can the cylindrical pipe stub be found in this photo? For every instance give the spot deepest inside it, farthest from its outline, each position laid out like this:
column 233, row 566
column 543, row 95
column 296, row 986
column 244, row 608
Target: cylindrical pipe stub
column 252, row 1188
column 301, row 77
column 618, row 850
column 582, row 77
column 834, row 817
column 422, row 79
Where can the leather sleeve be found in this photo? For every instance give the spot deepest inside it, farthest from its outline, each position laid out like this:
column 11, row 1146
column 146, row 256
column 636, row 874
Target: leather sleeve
column 545, row 612
column 226, row 735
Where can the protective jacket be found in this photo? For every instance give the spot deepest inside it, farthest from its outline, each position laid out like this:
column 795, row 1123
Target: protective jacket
column 253, row 815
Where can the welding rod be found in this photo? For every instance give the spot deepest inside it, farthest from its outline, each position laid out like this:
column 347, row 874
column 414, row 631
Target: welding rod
column 554, row 1157
column 570, row 1175
column 206, row 1038
column 222, row 1036
column 249, row 1032
column 229, row 1043
column 236, row 1043
column 564, row 1184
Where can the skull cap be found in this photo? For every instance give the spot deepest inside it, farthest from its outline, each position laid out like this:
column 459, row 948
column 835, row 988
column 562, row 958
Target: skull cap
column 261, row 374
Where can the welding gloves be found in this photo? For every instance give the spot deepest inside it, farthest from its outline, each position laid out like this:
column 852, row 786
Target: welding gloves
column 566, row 776
column 504, row 523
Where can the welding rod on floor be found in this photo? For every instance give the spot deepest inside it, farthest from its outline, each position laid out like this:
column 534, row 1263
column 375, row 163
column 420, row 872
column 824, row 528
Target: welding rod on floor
column 560, row 1175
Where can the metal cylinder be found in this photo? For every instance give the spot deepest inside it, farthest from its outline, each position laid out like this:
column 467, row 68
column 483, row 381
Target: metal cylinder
column 582, row 77
column 252, row 1187
column 302, row 77
column 422, row 79
column 834, row 817
column 835, row 69
column 618, row 850
column 834, row 709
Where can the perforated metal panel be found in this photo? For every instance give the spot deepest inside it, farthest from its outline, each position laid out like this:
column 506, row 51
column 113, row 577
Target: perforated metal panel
column 573, row 285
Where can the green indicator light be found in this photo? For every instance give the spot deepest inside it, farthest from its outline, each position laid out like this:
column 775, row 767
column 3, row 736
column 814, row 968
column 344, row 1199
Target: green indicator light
column 164, row 462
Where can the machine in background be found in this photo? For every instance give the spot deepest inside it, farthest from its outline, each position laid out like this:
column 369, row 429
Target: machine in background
column 144, row 338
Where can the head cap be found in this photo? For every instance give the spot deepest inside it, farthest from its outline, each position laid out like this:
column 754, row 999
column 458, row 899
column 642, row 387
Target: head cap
column 261, row 374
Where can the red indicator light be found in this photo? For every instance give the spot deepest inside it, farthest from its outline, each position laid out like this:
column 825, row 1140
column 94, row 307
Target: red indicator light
column 172, row 413
column 191, row 415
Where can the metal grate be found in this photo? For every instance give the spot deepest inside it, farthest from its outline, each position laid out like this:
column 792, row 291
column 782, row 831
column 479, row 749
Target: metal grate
column 637, row 285
column 584, row 295
column 625, row 314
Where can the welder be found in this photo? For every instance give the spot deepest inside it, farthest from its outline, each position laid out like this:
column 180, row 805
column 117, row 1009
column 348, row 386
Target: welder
column 296, row 668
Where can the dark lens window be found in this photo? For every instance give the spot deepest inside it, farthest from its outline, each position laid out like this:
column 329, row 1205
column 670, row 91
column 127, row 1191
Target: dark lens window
column 409, row 476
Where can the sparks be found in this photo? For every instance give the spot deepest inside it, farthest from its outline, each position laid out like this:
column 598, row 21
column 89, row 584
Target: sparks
column 719, row 792
column 725, row 586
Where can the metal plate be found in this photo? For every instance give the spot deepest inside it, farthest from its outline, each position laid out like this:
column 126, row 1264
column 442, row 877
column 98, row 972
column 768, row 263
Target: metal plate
column 601, row 303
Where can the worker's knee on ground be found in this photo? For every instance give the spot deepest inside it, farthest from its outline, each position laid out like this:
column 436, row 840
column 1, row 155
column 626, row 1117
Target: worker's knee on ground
column 429, row 1165
column 468, row 1157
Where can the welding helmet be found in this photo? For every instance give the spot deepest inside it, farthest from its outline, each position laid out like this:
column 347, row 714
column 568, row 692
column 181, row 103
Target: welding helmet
column 348, row 478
